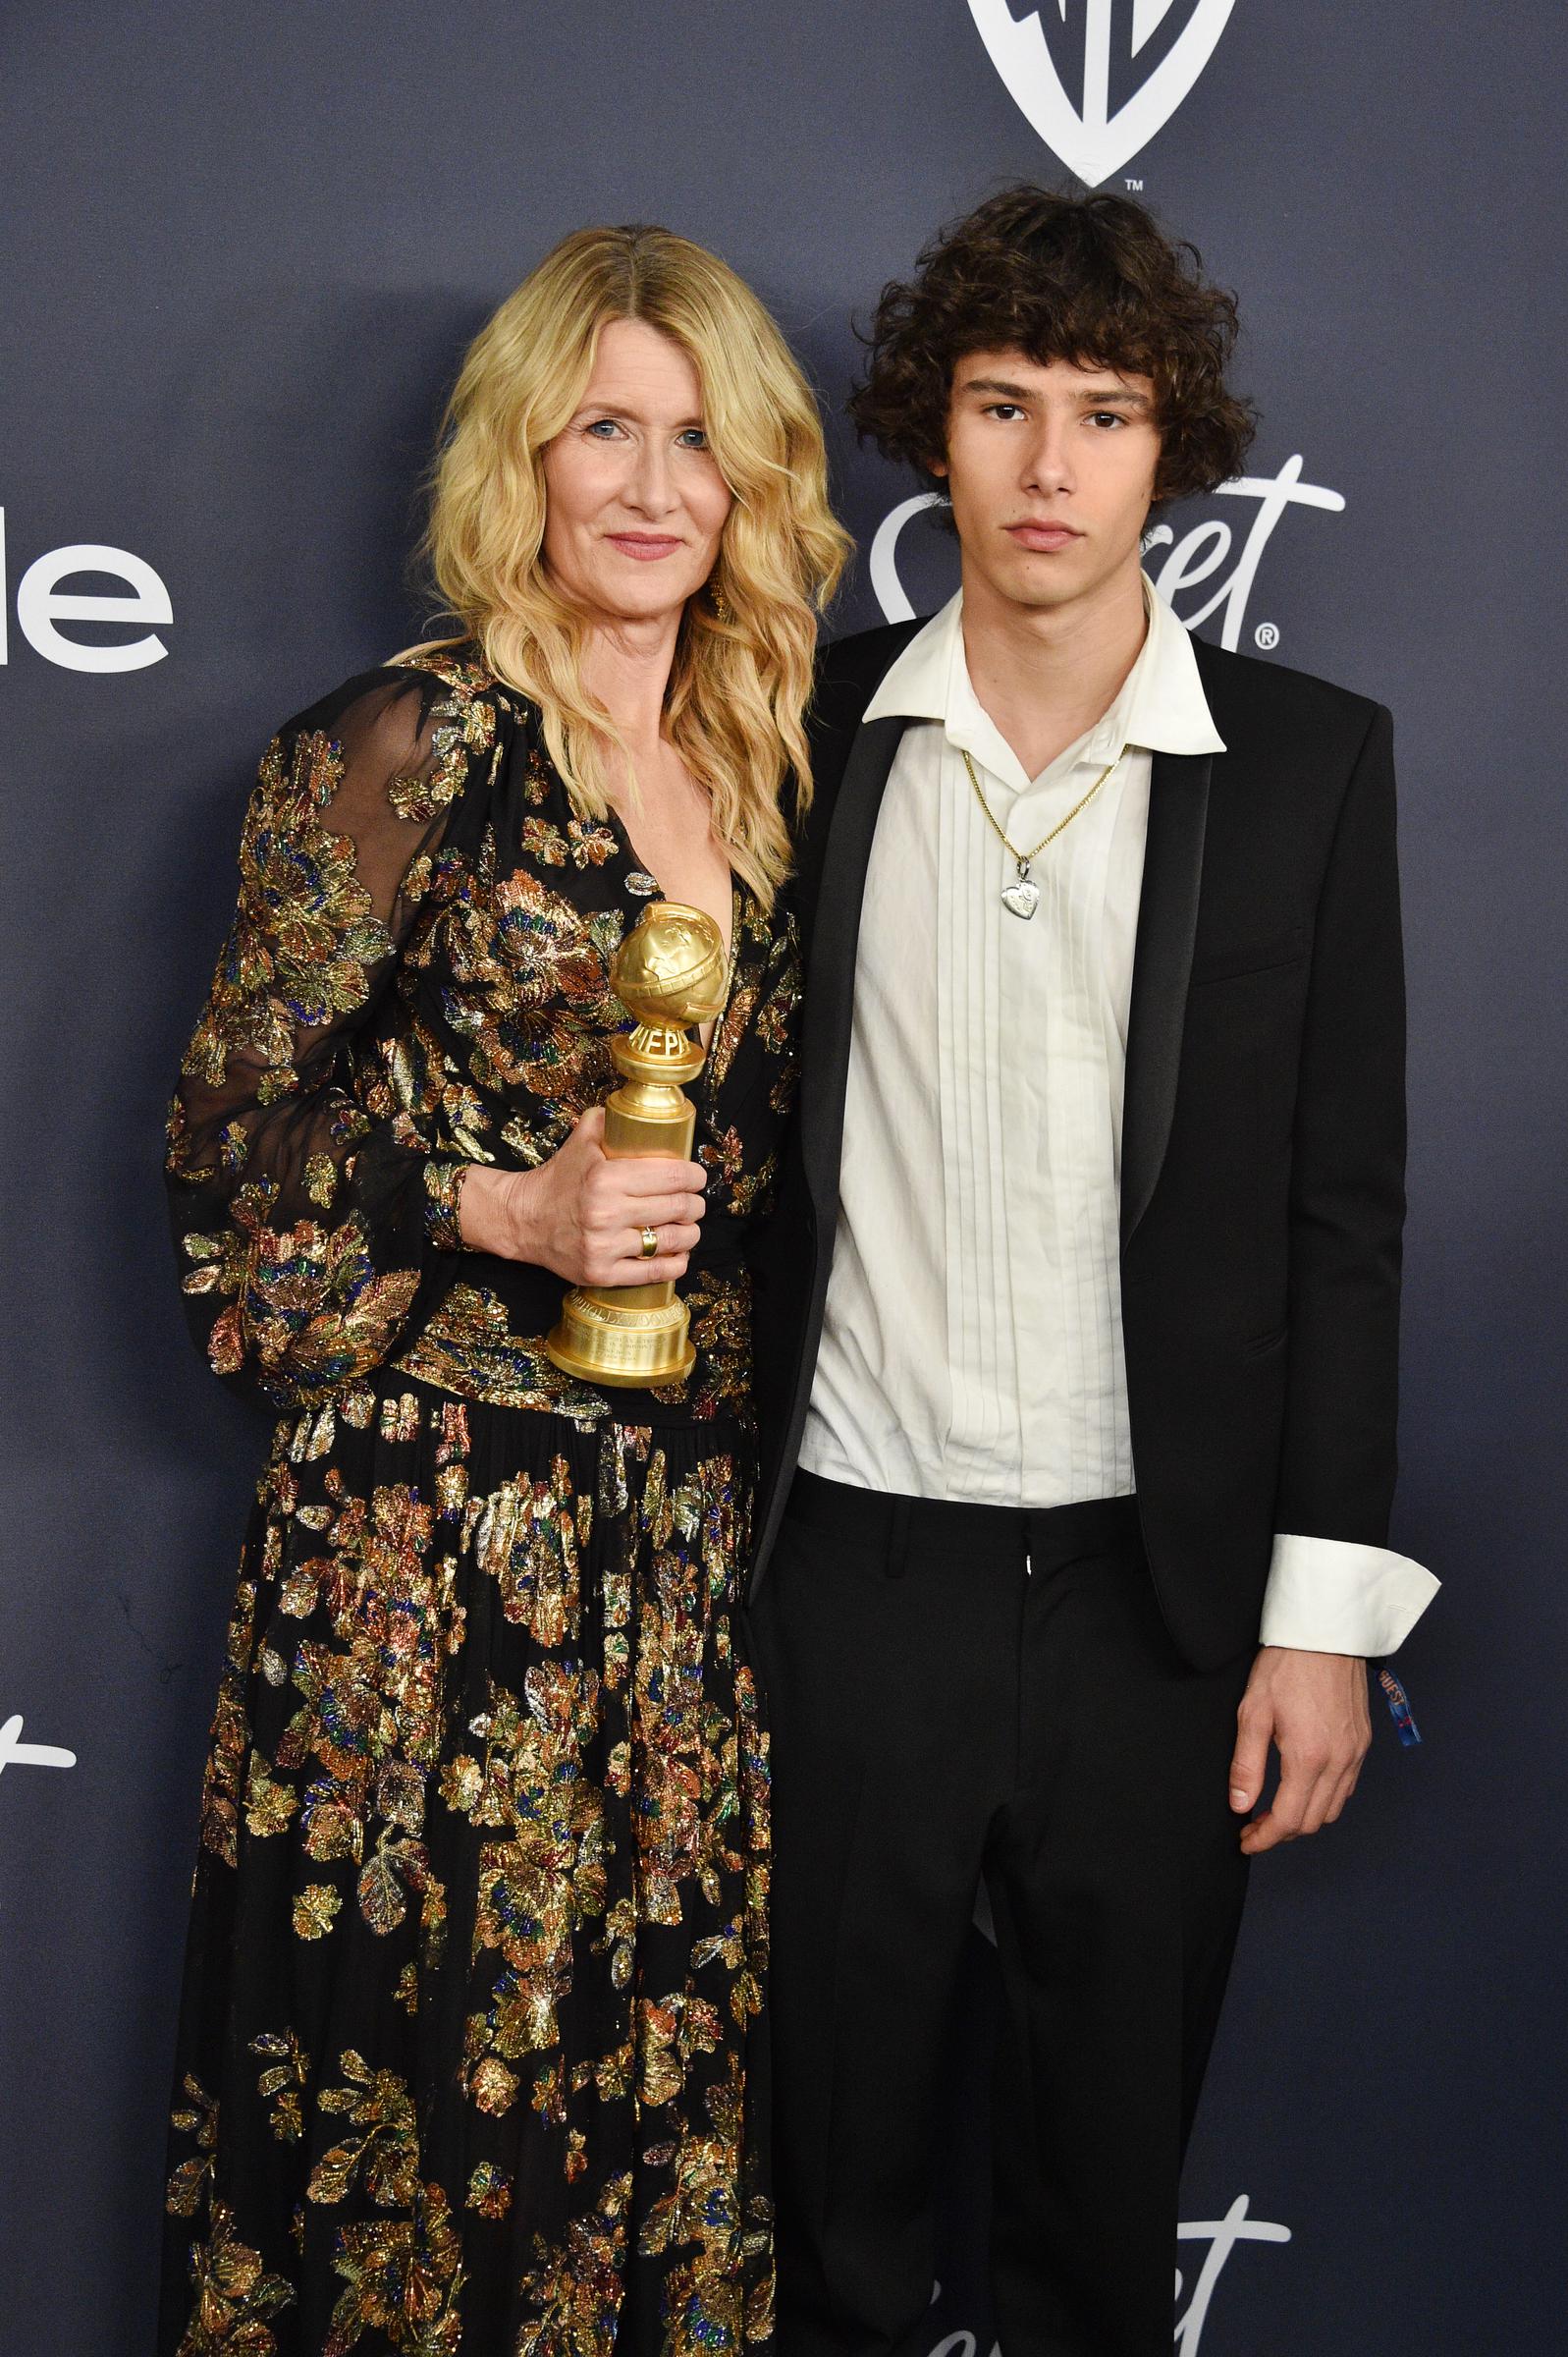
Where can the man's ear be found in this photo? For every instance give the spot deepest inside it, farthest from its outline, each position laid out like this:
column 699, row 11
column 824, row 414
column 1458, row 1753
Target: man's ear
column 938, row 468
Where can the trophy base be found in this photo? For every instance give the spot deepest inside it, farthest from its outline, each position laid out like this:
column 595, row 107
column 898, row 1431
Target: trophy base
column 601, row 1340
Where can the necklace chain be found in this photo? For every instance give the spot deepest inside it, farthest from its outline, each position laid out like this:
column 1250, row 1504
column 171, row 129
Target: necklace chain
column 1025, row 859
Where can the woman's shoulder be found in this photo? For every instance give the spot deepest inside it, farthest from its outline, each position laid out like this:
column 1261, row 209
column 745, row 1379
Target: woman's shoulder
column 442, row 683
column 415, row 726
column 456, row 665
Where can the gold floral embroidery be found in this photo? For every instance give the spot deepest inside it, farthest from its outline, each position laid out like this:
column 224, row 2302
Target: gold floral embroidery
column 190, row 2182
column 307, row 1296
column 304, row 934
column 539, row 1885
column 754, row 1189
column 465, row 727
column 403, row 2280
column 729, row 1033
column 282, row 2082
column 531, row 994
column 489, row 2190
column 383, row 2152
column 232, row 2296
column 397, row 1866
column 720, row 1310
column 314, row 1909
column 544, row 843
column 443, row 1187
column 592, row 843
column 529, row 1539
column 220, row 1790
column 467, row 1347
column 321, row 1180
column 704, row 2211
column 575, row 2286
column 268, row 1805
column 670, row 2031
column 400, row 1417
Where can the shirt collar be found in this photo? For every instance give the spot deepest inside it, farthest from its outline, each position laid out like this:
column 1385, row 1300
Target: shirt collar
column 1161, row 705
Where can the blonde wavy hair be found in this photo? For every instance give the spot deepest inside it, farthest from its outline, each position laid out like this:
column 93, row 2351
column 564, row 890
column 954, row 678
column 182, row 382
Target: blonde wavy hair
column 742, row 675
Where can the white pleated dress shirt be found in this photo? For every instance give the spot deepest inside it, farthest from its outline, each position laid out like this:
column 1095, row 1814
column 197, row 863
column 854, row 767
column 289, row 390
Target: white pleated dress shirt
column 980, row 1184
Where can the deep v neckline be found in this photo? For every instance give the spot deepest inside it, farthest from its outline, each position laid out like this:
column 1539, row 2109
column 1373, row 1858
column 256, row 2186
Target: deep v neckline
column 639, row 866
column 636, row 865
column 637, row 869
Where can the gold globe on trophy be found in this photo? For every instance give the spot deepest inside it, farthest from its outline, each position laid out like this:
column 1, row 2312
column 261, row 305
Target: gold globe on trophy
column 670, row 973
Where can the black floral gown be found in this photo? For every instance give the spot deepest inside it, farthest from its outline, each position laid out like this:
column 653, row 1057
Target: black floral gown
column 470, row 2040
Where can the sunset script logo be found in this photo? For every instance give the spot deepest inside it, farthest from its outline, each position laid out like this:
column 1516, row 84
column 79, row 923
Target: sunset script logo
column 1091, row 136
column 1222, row 2234
column 1220, row 559
column 14, row 1753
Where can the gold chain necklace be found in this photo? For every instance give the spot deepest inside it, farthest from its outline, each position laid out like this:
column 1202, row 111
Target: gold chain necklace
column 1022, row 897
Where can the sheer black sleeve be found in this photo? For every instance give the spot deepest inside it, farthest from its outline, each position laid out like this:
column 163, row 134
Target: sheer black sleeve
column 304, row 1225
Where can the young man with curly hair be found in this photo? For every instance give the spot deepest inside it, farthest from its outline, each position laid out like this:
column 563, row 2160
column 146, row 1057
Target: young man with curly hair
column 1080, row 1312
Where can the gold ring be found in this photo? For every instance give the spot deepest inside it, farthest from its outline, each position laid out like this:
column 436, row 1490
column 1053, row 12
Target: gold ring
column 650, row 1242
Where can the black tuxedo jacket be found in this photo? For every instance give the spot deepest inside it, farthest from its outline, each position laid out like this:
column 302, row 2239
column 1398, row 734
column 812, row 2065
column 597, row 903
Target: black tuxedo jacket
column 1263, row 1142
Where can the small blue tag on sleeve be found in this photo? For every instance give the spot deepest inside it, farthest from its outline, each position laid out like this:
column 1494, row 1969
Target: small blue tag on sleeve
column 1399, row 1708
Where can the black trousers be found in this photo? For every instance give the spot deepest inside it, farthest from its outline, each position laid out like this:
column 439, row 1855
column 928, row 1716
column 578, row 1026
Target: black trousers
column 960, row 1693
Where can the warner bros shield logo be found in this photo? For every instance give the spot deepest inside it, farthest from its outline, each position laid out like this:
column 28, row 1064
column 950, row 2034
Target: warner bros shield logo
column 1108, row 75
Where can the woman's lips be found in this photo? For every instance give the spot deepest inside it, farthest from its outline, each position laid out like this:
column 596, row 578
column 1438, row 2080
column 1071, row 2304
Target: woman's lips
column 1044, row 537
column 644, row 546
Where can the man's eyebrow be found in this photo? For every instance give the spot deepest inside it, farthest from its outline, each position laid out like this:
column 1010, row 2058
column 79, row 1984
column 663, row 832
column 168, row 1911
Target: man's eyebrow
column 995, row 384
column 1107, row 396
column 1103, row 397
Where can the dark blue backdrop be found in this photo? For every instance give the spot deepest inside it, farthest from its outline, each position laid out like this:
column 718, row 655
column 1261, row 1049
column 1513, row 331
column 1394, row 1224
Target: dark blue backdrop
column 245, row 249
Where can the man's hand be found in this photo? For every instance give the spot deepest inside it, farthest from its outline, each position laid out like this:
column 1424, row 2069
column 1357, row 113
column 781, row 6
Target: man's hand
column 1314, row 1707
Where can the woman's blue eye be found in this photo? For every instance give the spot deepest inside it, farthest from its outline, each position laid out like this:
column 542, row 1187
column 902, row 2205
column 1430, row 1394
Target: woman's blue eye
column 693, row 438
column 602, row 426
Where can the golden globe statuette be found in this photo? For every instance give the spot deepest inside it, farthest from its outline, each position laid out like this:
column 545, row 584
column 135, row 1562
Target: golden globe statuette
column 670, row 973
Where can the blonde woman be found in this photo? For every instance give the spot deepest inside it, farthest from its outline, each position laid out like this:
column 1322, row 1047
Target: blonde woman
column 471, row 2038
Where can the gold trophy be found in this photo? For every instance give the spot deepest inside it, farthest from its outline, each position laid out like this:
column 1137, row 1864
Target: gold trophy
column 670, row 973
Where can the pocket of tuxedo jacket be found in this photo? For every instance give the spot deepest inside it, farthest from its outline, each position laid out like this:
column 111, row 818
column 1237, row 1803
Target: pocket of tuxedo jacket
column 1252, row 958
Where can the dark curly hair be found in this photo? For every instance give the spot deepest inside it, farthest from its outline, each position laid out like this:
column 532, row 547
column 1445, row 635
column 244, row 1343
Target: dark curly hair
column 1092, row 279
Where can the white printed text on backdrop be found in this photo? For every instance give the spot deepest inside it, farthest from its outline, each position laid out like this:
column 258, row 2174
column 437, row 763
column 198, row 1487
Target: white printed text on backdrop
column 14, row 1753
column 43, row 605
column 1196, row 557
column 1090, row 137
column 1222, row 2234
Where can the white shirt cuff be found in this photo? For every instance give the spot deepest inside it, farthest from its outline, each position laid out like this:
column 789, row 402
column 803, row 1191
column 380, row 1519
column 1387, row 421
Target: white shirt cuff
column 1333, row 1595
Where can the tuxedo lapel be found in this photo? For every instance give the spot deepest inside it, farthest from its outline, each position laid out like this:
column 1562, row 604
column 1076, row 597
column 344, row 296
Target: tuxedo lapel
column 1168, row 922
column 831, row 965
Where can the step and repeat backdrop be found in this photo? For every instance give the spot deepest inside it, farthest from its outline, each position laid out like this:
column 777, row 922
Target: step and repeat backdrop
column 245, row 249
